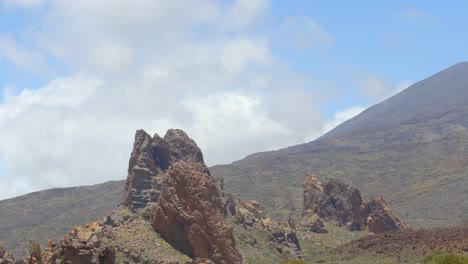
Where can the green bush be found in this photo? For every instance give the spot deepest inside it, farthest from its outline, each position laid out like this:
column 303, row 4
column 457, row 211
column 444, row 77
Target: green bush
column 445, row 258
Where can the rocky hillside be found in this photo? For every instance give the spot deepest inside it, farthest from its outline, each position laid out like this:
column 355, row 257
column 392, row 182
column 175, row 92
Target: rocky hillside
column 51, row 213
column 411, row 149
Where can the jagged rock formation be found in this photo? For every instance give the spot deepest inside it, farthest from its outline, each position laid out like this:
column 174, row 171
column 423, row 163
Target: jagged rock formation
column 6, row 257
column 81, row 245
column 149, row 160
column 142, row 186
column 342, row 202
column 335, row 200
column 191, row 213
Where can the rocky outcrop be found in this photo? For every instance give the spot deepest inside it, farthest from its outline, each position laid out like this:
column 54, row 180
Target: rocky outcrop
column 182, row 147
column 380, row 218
column 341, row 202
column 190, row 214
column 143, row 181
column 149, row 160
column 313, row 191
column 81, row 245
column 34, row 252
column 312, row 223
column 6, row 257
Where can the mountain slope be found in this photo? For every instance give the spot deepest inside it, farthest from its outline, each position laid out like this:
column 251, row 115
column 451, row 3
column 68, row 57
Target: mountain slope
column 52, row 213
column 411, row 148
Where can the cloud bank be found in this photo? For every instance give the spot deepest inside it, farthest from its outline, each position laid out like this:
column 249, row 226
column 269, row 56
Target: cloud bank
column 150, row 65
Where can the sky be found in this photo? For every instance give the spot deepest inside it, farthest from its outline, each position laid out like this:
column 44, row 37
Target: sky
column 77, row 78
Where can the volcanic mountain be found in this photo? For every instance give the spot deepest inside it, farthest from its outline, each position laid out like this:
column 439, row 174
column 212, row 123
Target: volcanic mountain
column 411, row 148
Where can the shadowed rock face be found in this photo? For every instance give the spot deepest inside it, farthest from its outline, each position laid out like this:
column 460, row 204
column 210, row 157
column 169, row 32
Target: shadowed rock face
column 143, row 183
column 342, row 202
column 336, row 200
column 190, row 214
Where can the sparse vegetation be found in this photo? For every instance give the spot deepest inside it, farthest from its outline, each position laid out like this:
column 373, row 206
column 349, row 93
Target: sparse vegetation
column 52, row 213
column 445, row 258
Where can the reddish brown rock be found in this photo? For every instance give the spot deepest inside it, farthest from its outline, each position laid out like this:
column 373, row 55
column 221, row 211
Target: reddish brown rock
column 312, row 223
column 313, row 192
column 380, row 218
column 191, row 213
column 341, row 202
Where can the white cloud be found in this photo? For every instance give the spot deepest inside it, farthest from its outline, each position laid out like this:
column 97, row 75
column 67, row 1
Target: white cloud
column 154, row 66
column 305, row 32
column 400, row 87
column 373, row 86
column 244, row 12
column 21, row 57
column 232, row 125
column 342, row 116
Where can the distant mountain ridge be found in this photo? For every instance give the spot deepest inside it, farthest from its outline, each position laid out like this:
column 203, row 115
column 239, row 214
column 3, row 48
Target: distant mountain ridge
column 411, row 148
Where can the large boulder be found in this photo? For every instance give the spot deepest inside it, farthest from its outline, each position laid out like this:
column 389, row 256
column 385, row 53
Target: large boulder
column 191, row 214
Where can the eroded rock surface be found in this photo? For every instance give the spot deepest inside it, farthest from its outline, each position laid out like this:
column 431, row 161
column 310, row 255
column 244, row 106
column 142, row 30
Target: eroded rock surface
column 190, row 214
column 341, row 202
column 6, row 257
column 380, row 218
column 143, row 180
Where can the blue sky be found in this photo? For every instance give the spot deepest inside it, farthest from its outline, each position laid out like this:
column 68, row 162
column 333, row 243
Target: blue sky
column 240, row 76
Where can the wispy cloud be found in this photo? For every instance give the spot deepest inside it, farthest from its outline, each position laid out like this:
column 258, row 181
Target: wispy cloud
column 342, row 116
column 305, row 32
